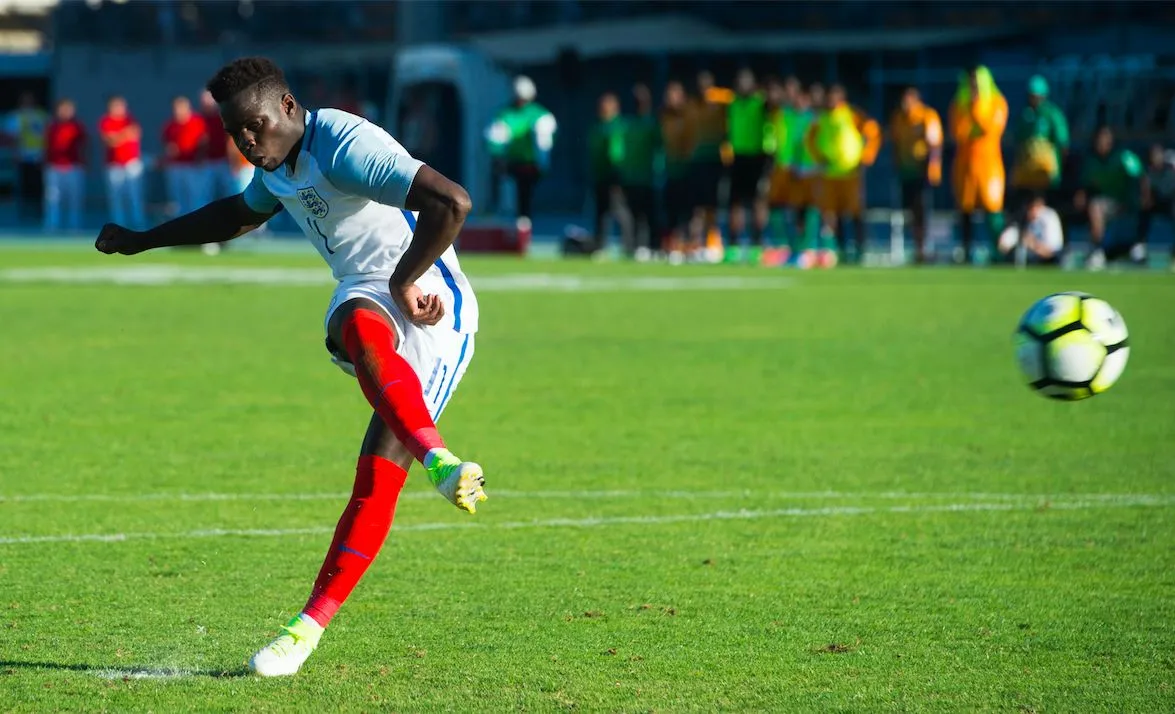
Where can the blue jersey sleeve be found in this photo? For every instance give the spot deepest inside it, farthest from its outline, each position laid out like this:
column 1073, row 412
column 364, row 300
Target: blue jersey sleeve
column 257, row 196
column 362, row 159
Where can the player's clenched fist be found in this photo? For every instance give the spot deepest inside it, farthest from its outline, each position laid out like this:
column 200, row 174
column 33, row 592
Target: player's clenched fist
column 419, row 308
column 115, row 239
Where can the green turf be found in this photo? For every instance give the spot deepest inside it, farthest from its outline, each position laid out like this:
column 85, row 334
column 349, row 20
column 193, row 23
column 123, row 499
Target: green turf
column 918, row 531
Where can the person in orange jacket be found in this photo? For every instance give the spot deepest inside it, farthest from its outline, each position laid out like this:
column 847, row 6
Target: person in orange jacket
column 977, row 119
column 844, row 141
column 916, row 132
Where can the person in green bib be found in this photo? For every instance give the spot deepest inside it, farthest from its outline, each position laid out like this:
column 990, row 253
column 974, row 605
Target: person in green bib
column 520, row 140
column 747, row 133
column 793, row 175
column 637, row 171
column 605, row 152
column 1040, row 143
column 1111, row 186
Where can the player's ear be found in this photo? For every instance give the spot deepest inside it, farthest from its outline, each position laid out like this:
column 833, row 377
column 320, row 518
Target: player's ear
column 289, row 106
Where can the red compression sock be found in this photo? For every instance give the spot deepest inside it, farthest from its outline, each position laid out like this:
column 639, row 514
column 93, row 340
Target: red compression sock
column 362, row 529
column 389, row 382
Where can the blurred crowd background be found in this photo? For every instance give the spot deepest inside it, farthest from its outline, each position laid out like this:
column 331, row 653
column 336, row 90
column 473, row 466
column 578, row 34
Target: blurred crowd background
column 775, row 133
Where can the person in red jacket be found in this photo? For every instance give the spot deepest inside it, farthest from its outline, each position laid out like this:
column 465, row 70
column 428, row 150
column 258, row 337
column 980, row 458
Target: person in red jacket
column 65, row 176
column 218, row 170
column 185, row 141
column 122, row 135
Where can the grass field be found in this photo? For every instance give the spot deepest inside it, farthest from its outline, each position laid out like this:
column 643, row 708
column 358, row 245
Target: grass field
column 710, row 489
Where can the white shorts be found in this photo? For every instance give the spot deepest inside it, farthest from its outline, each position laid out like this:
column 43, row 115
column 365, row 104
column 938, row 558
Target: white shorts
column 438, row 354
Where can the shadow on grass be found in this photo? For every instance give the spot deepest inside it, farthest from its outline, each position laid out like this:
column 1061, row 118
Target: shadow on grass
column 126, row 672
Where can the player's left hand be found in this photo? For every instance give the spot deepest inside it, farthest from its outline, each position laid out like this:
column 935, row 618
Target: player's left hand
column 419, row 308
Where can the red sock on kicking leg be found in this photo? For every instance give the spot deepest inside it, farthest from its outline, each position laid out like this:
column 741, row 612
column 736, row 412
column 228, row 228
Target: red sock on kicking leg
column 389, row 382
column 361, row 532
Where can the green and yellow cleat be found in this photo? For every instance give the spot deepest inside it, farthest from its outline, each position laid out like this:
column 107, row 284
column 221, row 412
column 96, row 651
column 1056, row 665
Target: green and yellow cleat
column 285, row 655
column 459, row 481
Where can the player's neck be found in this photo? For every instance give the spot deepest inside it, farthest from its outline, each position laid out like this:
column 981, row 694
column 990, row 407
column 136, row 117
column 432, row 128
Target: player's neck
column 291, row 161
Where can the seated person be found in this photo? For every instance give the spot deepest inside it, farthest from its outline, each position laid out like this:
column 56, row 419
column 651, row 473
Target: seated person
column 1041, row 236
column 1112, row 183
column 1158, row 198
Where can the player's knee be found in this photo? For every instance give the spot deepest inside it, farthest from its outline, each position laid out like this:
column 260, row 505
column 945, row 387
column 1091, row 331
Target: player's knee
column 345, row 314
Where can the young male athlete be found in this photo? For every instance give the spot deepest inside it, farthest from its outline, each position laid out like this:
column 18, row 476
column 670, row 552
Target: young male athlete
column 401, row 320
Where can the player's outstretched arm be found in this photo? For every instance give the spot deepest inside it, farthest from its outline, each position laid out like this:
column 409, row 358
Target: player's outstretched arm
column 442, row 206
column 217, row 222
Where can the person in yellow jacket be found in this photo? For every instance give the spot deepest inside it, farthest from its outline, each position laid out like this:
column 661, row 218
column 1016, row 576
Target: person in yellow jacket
column 916, row 132
column 977, row 119
column 844, row 140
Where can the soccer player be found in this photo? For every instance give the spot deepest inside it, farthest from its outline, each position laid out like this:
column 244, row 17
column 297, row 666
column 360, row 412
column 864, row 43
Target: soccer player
column 520, row 140
column 677, row 131
column 917, row 135
column 637, row 171
column 977, row 118
column 707, row 171
column 1113, row 183
column 844, row 141
column 402, row 319
column 746, row 133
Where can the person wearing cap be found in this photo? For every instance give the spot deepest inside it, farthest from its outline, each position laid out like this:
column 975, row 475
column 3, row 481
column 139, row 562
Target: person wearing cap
column 1040, row 142
column 520, row 140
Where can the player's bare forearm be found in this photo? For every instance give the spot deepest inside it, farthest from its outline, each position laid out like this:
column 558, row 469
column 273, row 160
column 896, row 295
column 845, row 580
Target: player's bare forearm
column 216, row 222
column 442, row 206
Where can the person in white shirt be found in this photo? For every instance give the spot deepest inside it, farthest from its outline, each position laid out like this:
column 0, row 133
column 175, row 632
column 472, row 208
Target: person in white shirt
column 1041, row 238
column 402, row 319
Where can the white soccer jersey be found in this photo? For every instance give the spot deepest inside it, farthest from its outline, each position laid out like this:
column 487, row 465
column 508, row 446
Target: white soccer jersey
column 347, row 192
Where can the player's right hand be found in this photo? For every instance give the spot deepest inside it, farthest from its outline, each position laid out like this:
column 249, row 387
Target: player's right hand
column 114, row 238
column 419, row 308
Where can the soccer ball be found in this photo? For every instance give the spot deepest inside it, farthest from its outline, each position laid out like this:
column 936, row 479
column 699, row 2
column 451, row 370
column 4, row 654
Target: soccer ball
column 1071, row 346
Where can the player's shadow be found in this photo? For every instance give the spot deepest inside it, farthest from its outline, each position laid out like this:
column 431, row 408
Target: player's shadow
column 127, row 672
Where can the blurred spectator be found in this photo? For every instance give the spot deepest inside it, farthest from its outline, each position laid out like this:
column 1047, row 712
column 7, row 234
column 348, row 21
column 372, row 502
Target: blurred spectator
column 26, row 127
column 124, row 166
column 776, row 145
column 707, row 167
column 1158, row 200
column 520, row 140
column 1112, row 185
column 184, row 145
column 978, row 116
column 916, row 131
column 1039, row 238
column 746, row 133
column 65, row 157
column 794, row 176
column 219, row 180
column 1041, row 141
column 844, row 141
column 242, row 170
column 677, row 130
column 640, row 145
column 605, row 151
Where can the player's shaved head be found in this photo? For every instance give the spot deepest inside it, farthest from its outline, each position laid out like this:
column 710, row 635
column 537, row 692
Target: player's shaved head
column 258, row 110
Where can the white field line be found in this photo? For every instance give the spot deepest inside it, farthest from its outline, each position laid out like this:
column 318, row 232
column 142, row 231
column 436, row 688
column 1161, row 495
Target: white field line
column 742, row 514
column 163, row 274
column 585, row 495
column 144, row 673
